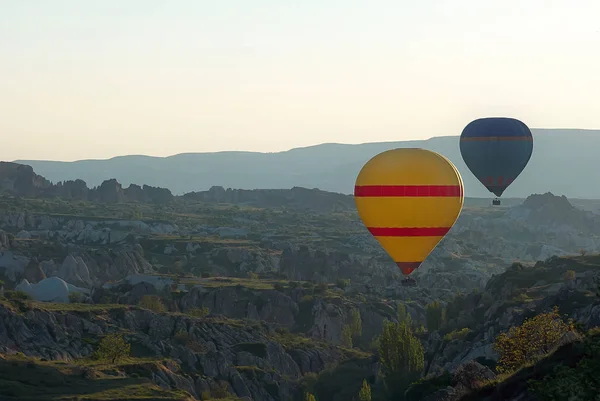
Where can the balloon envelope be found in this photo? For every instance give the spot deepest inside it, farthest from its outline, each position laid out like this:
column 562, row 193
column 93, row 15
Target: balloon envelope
column 409, row 199
column 496, row 150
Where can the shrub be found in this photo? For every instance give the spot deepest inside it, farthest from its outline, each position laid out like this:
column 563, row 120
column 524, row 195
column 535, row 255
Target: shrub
column 534, row 338
column 322, row 288
column 457, row 334
column 16, row 295
column 569, row 275
column 343, row 283
column 309, row 397
column 75, row 297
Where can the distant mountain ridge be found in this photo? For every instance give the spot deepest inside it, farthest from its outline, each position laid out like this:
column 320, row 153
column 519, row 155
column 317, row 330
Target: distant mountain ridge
column 564, row 161
column 21, row 180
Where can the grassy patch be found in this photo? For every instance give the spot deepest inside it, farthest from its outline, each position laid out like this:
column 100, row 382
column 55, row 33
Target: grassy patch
column 220, row 282
column 459, row 334
column 75, row 307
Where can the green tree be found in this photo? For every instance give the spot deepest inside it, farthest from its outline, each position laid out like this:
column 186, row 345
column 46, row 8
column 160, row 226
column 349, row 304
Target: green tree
column 435, row 316
column 536, row 337
column 355, row 323
column 113, row 347
column 346, row 337
column 402, row 358
column 365, row 392
column 309, row 397
column 403, row 315
column 153, row 303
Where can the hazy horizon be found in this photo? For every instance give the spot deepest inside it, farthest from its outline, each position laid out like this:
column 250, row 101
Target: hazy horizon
column 100, row 80
column 275, row 151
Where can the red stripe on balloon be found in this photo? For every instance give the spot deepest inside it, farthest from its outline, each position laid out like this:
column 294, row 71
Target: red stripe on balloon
column 408, row 190
column 408, row 267
column 409, row 231
column 496, row 138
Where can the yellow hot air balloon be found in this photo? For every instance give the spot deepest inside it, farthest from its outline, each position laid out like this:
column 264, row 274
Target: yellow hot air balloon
column 409, row 199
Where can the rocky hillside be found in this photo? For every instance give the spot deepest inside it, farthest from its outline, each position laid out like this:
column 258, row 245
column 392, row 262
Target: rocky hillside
column 216, row 239
column 179, row 351
column 305, row 293
column 473, row 322
column 564, row 374
column 200, row 355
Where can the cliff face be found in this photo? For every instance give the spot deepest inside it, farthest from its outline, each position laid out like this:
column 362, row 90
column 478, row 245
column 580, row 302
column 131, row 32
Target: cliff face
column 21, row 180
column 248, row 357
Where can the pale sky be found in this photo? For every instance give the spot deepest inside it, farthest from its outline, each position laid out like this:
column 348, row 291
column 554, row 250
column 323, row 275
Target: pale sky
column 95, row 79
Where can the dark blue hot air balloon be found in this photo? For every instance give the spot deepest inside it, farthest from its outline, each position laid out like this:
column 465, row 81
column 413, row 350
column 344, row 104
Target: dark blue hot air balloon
column 496, row 150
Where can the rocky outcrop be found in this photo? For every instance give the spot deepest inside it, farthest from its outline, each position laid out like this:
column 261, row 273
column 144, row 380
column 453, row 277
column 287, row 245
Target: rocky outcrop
column 247, row 357
column 76, row 190
column 548, row 209
column 78, row 231
column 466, row 378
column 295, row 198
column 33, row 272
column 300, row 310
column 4, row 240
column 83, row 269
column 51, row 289
column 21, row 180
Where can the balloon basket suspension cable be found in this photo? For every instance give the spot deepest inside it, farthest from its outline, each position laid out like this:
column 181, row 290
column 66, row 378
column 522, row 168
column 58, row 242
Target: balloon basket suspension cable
column 496, row 202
